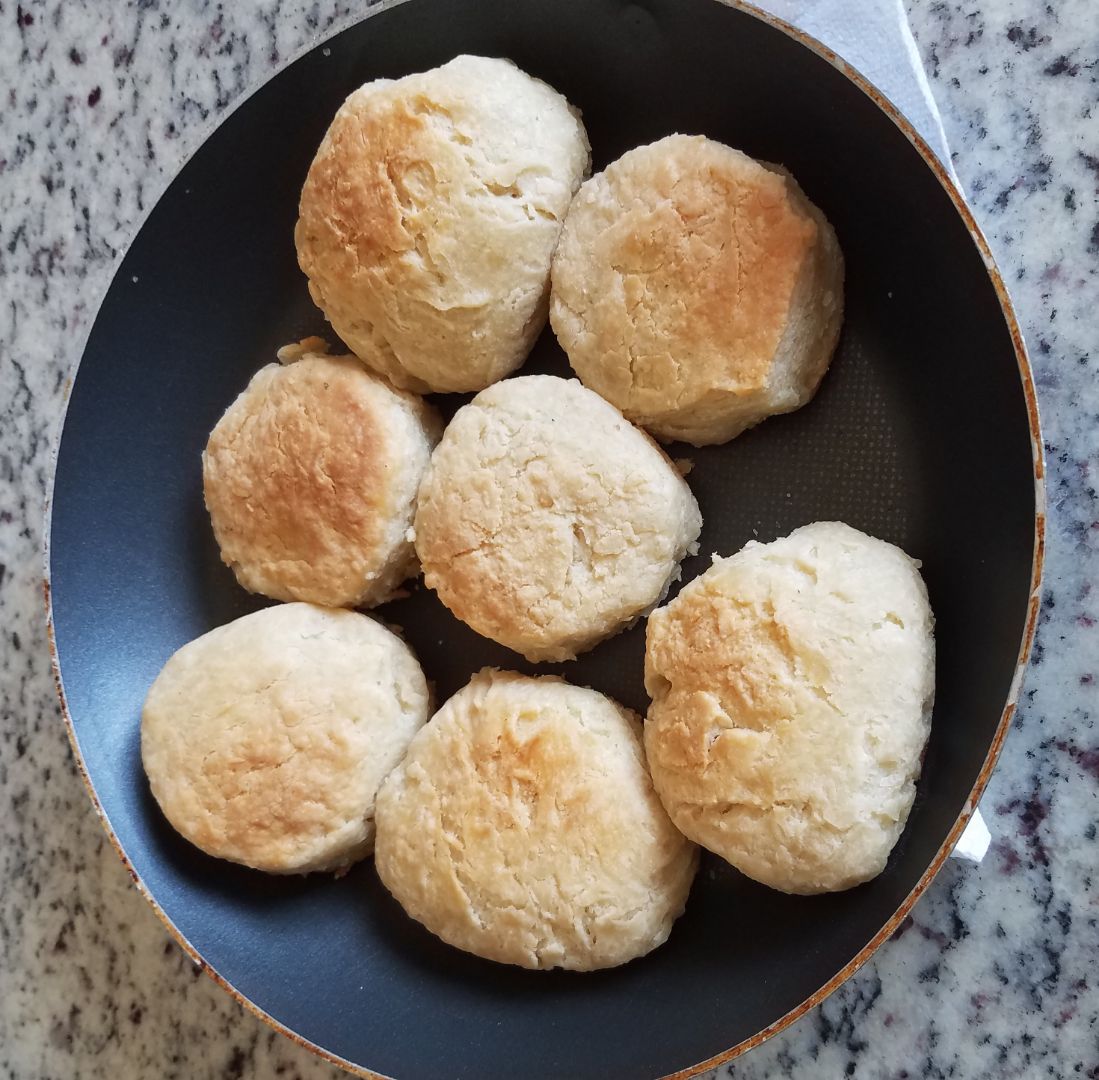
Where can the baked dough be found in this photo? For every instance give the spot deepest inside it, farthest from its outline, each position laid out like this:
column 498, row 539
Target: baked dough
column 310, row 478
column 697, row 290
column 429, row 217
column 792, row 687
column 546, row 521
column 523, row 827
column 265, row 740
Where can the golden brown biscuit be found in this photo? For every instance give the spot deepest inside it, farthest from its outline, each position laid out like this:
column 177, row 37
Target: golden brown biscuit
column 429, row 218
column 310, row 478
column 697, row 290
column 792, row 687
column 522, row 826
column 546, row 521
column 265, row 740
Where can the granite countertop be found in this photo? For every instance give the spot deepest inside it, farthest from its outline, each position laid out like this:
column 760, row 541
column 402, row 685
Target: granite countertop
column 996, row 972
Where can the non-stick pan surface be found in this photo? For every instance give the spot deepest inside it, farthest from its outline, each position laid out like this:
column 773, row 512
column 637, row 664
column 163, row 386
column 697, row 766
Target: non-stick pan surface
column 921, row 434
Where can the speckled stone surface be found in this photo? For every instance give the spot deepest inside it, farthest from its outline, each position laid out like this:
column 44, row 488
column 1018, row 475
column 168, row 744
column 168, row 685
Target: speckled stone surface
column 996, row 974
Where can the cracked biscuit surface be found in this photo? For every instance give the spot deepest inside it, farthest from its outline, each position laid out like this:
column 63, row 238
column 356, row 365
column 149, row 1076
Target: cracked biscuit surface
column 792, row 687
column 429, row 217
column 310, row 479
column 546, row 521
column 522, row 826
column 697, row 290
column 265, row 740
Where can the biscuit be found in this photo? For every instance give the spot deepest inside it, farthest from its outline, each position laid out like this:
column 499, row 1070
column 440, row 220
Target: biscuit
column 429, row 217
column 265, row 740
column 310, row 478
column 792, row 687
column 522, row 826
column 546, row 521
column 697, row 290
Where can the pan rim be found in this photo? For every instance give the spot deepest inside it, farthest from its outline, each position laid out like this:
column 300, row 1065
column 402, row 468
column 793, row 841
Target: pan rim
column 961, row 207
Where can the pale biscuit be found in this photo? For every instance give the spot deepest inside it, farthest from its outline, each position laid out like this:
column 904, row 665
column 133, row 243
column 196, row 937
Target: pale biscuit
column 265, row 740
column 429, row 217
column 697, row 290
column 522, row 826
column 792, row 687
column 310, row 478
column 546, row 521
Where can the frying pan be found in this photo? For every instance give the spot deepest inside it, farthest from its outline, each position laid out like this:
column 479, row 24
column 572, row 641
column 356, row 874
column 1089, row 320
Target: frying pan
column 924, row 433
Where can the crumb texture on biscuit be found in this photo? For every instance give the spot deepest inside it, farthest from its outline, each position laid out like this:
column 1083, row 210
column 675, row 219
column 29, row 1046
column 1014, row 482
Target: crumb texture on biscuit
column 523, row 827
column 310, row 479
column 429, row 217
column 546, row 521
column 696, row 289
column 792, row 687
column 265, row 740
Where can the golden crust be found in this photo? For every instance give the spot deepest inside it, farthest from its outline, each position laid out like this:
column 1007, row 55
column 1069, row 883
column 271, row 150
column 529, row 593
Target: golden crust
column 429, row 217
column 792, row 687
column 696, row 289
column 546, row 521
column 310, row 478
column 265, row 740
column 522, row 826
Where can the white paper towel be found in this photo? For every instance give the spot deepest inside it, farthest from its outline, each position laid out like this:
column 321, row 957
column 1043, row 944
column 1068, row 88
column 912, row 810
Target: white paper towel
column 875, row 39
